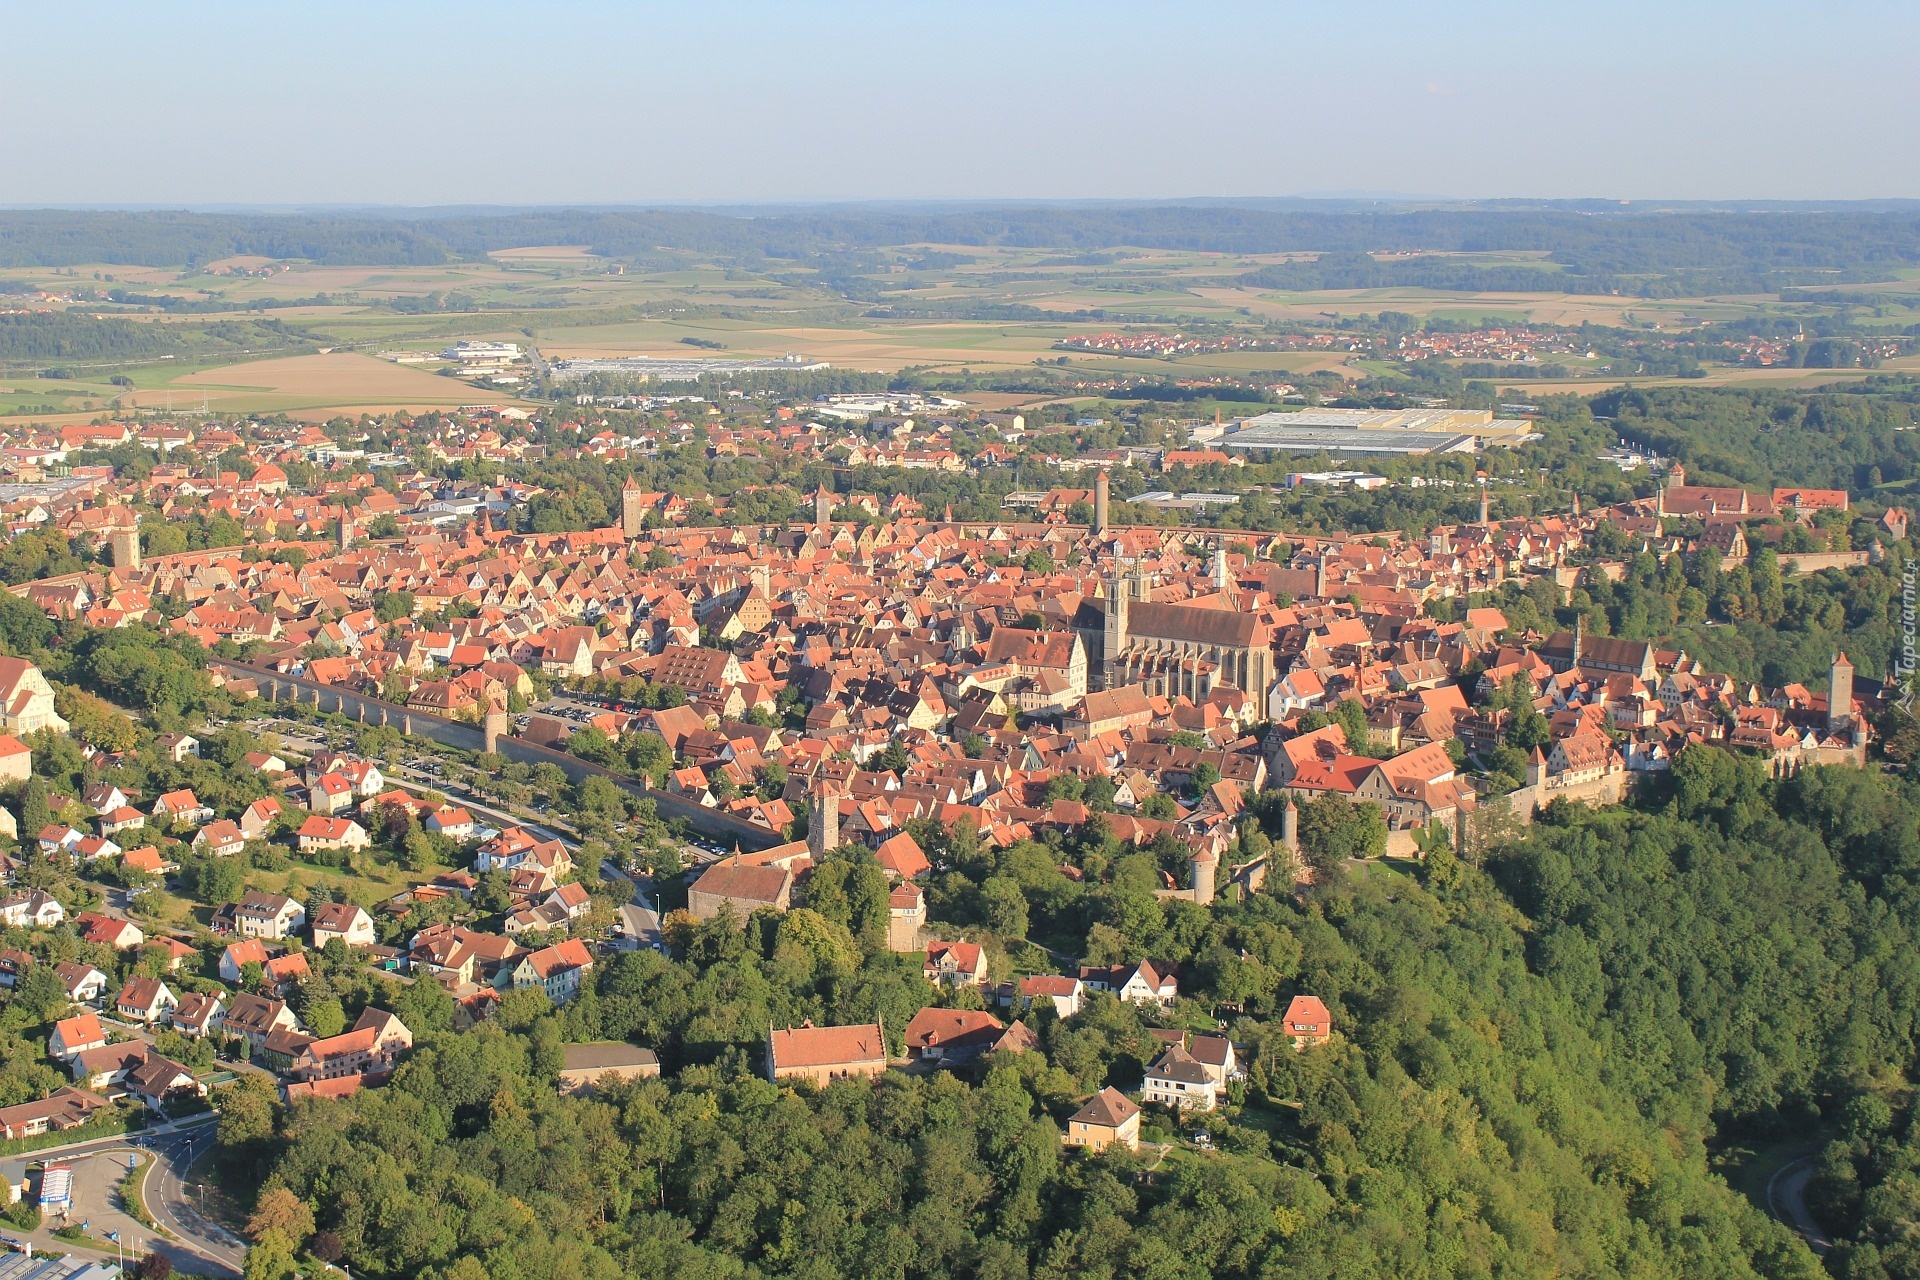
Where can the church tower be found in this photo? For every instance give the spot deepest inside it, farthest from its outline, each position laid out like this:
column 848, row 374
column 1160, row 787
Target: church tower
column 1222, row 576
column 1113, row 640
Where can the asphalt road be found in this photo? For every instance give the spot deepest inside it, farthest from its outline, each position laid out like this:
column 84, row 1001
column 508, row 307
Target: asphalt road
column 198, row 1245
column 1787, row 1197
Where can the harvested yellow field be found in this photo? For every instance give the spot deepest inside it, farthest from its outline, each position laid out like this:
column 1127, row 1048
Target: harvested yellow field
column 578, row 254
column 338, row 378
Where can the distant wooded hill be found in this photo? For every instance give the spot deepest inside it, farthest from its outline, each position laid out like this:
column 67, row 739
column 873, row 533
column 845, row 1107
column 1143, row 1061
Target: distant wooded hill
column 1690, row 245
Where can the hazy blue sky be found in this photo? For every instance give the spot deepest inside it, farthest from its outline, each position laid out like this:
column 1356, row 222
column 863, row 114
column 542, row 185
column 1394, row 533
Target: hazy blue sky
column 535, row 103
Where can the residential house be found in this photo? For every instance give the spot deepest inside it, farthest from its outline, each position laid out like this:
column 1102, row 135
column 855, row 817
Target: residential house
column 331, row 794
column 557, row 970
column 176, row 951
column 345, row 921
column 253, row 1018
column 1307, row 1021
column 121, row 935
column 237, row 956
column 65, row 1108
column 1216, row 1054
column 370, row 1048
column 159, row 1081
column 950, row 1036
column 124, row 818
column 1109, row 1117
column 320, row 832
column 75, row 1035
column 258, row 819
column 145, row 1000
column 26, row 699
column 197, row 1014
column 452, row 822
column 30, row 908
column 84, row 983
column 178, row 747
column 268, row 915
column 460, row 956
column 1175, row 1079
column 106, row 1064
column 281, row 1047
column 1065, row 993
column 182, row 808
column 956, row 964
column 1136, row 984
column 16, row 759
column 222, row 839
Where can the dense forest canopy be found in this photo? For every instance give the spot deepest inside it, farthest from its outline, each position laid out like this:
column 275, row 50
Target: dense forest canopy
column 1536, row 1061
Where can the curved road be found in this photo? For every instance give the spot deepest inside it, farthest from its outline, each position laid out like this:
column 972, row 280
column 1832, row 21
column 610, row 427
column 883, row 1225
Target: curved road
column 1787, row 1198
column 196, row 1244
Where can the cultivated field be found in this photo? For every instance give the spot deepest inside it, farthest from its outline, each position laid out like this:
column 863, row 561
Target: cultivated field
column 566, row 301
column 313, row 382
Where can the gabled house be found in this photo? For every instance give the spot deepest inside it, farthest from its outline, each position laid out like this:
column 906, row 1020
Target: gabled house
column 268, row 915
column 30, row 908
column 159, row 1081
column 344, row 921
column 26, row 699
column 331, row 794
column 65, row 1108
column 557, row 970
column 955, row 964
column 257, row 819
column 75, row 1035
column 107, row 931
column 1136, row 984
column 370, row 1048
column 84, row 983
column 145, row 1000
column 222, row 839
column 197, row 1014
column 948, row 1036
column 1064, row 993
column 320, row 832
column 106, row 1064
column 237, row 956
column 182, row 808
column 253, row 1018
